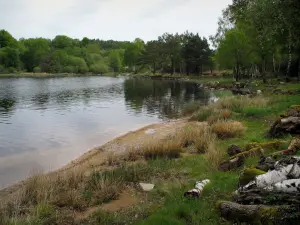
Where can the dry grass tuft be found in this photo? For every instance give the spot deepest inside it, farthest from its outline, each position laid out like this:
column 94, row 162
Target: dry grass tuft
column 200, row 136
column 214, row 156
column 219, row 115
column 237, row 103
column 228, row 129
column 169, row 149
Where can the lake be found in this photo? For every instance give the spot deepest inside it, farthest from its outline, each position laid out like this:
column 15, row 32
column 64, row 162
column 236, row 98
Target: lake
column 47, row 122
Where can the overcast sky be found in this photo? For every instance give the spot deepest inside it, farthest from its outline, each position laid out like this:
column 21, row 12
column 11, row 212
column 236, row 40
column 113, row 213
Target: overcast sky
column 109, row 19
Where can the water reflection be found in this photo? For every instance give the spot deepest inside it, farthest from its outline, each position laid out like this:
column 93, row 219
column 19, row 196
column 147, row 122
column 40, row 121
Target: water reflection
column 163, row 97
column 49, row 122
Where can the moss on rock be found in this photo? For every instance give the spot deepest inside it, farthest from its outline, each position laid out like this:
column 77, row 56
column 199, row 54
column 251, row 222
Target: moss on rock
column 266, row 145
column 248, row 175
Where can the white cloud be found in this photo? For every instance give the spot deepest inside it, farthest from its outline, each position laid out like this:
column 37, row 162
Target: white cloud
column 109, row 19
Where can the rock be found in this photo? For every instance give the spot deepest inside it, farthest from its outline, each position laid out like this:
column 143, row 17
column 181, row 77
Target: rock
column 233, row 150
column 284, row 126
column 293, row 111
column 259, row 92
column 241, row 91
column 266, row 164
column 288, row 123
column 146, row 187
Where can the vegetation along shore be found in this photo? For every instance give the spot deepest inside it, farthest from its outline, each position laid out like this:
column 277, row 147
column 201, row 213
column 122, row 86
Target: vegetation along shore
column 240, row 151
column 103, row 186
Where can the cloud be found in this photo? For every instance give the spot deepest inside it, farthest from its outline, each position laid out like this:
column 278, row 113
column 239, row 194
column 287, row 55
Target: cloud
column 109, row 19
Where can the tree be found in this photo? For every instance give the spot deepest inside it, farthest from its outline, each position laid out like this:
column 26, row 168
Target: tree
column 115, row 61
column 133, row 52
column 9, row 57
column 7, row 40
column 62, row 41
column 196, row 53
column 234, row 51
column 36, row 49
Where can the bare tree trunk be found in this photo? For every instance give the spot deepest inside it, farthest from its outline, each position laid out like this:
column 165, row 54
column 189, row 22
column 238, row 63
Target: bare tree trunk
column 274, row 66
column 154, row 68
column 263, row 69
column 290, row 56
column 298, row 72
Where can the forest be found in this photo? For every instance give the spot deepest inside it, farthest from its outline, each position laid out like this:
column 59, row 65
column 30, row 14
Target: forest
column 254, row 39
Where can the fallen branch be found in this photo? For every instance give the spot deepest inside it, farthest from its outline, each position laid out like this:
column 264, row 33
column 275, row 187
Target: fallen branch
column 259, row 214
column 259, row 196
column 293, row 148
column 197, row 190
column 239, row 159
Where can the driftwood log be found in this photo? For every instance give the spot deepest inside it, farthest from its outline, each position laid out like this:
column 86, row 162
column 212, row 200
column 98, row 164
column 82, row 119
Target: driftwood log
column 258, row 197
column 260, row 214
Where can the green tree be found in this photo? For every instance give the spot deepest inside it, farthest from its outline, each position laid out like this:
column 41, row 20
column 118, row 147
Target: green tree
column 62, row 41
column 36, row 50
column 234, row 51
column 7, row 40
column 133, row 53
column 115, row 61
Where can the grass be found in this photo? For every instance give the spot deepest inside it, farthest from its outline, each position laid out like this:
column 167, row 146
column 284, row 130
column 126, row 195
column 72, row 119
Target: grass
column 52, row 199
column 228, row 129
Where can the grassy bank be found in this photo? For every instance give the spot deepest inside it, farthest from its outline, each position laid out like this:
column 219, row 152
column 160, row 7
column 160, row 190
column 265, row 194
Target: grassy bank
column 191, row 154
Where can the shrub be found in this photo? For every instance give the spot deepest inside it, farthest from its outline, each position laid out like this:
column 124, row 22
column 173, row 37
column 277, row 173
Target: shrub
column 228, row 129
column 37, row 69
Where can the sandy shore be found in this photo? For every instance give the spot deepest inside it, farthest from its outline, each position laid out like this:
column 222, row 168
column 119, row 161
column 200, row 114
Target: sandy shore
column 96, row 159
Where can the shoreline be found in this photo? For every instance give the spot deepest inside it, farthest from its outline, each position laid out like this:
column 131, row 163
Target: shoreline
column 94, row 158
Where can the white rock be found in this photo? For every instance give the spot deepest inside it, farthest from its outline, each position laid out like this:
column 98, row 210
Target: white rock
column 150, row 131
column 147, row 187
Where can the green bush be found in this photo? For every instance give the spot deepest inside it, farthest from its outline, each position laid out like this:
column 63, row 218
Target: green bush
column 37, row 69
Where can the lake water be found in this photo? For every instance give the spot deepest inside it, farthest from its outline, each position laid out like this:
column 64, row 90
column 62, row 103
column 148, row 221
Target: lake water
column 46, row 123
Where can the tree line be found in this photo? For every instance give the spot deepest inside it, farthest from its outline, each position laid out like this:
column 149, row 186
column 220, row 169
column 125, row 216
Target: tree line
column 259, row 38
column 171, row 53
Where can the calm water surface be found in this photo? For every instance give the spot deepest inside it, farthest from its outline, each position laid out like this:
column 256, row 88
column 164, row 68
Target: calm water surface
column 46, row 123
